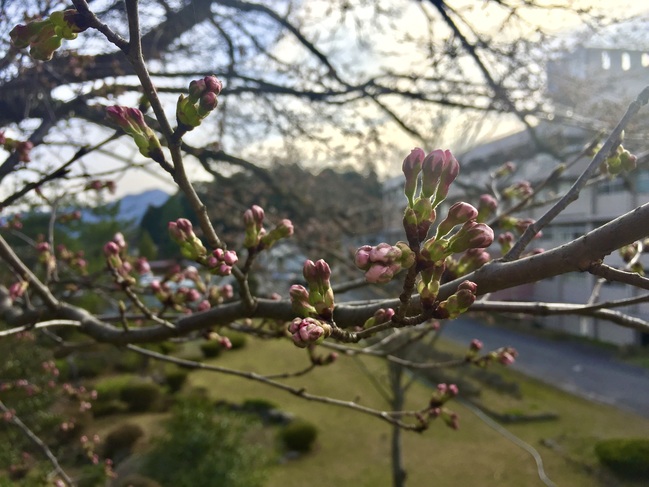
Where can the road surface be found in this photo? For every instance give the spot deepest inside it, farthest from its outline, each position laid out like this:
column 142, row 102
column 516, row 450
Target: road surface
column 573, row 367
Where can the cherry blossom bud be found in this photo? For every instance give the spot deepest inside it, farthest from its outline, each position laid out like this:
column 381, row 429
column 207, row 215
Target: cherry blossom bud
column 380, row 316
column 307, row 331
column 459, row 302
column 504, row 170
column 203, row 305
column 253, row 219
column 486, row 207
column 283, row 230
column 411, row 168
column 227, row 291
column 458, row 214
column 506, row 241
column 111, row 249
column 202, row 99
column 142, row 266
column 476, row 345
column 362, row 257
column 471, row 235
column 131, row 120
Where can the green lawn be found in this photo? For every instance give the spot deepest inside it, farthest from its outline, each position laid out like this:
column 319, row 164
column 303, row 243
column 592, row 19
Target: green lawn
column 353, row 449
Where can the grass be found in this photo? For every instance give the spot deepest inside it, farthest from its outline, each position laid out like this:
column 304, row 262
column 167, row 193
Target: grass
column 354, row 449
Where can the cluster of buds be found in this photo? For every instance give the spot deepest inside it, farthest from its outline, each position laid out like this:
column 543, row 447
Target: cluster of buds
column 459, row 302
column 182, row 232
column 471, row 235
column 221, row 262
column 115, row 253
column 318, row 300
column 45, row 36
column 22, row 148
column 98, row 185
column 517, row 191
column 382, row 262
column 442, row 394
column 14, row 222
column 380, row 316
column 212, row 336
column 519, row 225
column 471, row 260
column 17, row 290
column 46, row 256
column 75, row 260
column 504, row 170
column 504, row 356
column 69, row 217
column 620, row 161
column 131, row 121
column 308, row 331
column 202, row 99
column 256, row 237
column 438, row 170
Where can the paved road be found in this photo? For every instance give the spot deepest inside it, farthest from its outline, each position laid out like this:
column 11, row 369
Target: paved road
column 573, row 367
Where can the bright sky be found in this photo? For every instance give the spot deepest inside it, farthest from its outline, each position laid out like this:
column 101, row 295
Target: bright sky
column 486, row 18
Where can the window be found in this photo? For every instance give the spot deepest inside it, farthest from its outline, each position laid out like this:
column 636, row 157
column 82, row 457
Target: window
column 606, row 60
column 626, row 61
column 645, row 59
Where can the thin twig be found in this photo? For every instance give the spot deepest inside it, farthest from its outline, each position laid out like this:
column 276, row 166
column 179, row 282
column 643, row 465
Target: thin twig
column 32, row 436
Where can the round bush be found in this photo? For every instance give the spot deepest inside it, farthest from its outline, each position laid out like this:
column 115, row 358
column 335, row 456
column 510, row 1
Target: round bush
column 211, row 349
column 258, row 405
column 130, row 362
column 137, row 480
column 175, row 377
column 238, row 340
column 299, row 436
column 140, row 394
column 627, row 457
column 119, row 442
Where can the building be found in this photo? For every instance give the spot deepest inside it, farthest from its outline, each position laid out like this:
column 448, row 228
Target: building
column 583, row 84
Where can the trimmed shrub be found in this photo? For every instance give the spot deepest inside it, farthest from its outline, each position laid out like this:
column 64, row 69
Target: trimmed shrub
column 141, row 395
column 175, row 377
column 627, row 457
column 258, row 405
column 108, row 407
column 130, row 362
column 237, row 339
column 137, row 480
column 201, row 448
column 299, row 436
column 211, row 349
column 137, row 393
column 118, row 444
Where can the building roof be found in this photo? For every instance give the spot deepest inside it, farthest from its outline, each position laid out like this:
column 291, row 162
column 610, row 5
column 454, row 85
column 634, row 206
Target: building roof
column 630, row 35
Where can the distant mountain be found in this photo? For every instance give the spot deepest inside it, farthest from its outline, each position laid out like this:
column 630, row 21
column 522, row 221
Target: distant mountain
column 133, row 206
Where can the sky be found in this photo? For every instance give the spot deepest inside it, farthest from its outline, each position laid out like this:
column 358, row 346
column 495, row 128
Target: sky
column 557, row 21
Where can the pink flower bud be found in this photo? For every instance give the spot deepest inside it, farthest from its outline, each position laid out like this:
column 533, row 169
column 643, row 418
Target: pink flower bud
column 203, row 305
column 111, row 249
column 213, row 84
column 471, row 235
column 476, row 345
column 227, row 291
column 458, row 214
column 362, row 257
column 411, row 168
column 230, row 257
